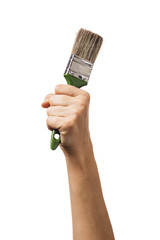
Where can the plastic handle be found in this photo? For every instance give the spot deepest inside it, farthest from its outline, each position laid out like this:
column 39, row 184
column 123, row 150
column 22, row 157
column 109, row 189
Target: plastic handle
column 70, row 81
column 54, row 140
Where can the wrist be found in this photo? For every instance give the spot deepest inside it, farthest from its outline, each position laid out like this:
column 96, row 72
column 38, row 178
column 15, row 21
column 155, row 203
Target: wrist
column 78, row 145
column 81, row 156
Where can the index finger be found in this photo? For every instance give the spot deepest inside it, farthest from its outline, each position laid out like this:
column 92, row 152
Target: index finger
column 67, row 90
column 45, row 103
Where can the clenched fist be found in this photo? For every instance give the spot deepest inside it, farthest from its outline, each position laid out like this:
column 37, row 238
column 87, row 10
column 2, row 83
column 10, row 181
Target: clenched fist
column 67, row 111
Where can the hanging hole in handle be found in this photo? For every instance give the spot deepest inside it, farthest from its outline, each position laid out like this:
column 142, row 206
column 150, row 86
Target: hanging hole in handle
column 56, row 136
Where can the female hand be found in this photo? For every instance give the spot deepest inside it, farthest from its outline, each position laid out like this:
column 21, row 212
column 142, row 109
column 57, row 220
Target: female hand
column 67, row 111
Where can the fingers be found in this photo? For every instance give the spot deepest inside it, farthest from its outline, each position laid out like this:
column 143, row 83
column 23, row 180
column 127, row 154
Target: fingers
column 67, row 90
column 48, row 96
column 67, row 108
column 57, row 100
column 45, row 103
column 65, row 95
column 54, row 122
column 60, row 100
column 71, row 91
column 59, row 111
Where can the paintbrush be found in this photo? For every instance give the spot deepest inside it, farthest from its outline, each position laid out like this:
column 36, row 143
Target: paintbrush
column 79, row 67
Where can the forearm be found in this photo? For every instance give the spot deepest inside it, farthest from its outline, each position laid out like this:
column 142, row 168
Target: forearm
column 89, row 213
column 68, row 112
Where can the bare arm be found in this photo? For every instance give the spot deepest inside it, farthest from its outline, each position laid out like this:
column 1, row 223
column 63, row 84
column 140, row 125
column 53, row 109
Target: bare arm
column 68, row 112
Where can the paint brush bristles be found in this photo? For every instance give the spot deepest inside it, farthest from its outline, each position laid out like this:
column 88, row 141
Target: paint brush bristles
column 84, row 54
column 87, row 45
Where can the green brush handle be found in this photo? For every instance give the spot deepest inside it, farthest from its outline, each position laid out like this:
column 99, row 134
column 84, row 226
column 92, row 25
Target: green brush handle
column 70, row 81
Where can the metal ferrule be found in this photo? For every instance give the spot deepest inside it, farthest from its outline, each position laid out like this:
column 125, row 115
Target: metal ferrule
column 79, row 68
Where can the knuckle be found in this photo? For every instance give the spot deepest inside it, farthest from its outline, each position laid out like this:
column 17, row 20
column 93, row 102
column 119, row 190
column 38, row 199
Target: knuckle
column 51, row 121
column 48, row 95
column 76, row 113
column 48, row 120
column 49, row 109
column 57, row 88
column 83, row 103
column 86, row 95
column 84, row 100
column 49, row 124
column 50, row 100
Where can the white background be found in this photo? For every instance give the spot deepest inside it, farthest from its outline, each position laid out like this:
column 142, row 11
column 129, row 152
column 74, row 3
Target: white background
column 36, row 39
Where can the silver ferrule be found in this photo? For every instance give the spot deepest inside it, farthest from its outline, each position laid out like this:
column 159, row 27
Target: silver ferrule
column 79, row 68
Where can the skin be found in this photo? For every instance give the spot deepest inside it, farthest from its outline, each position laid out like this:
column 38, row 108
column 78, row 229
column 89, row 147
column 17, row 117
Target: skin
column 67, row 111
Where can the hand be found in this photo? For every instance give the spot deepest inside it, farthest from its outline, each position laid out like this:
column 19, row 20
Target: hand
column 68, row 112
